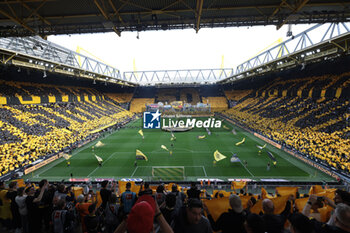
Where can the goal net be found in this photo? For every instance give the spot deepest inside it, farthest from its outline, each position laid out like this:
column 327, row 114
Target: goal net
column 168, row 172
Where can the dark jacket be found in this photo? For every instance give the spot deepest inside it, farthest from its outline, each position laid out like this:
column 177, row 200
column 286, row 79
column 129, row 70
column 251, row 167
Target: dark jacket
column 183, row 226
column 229, row 222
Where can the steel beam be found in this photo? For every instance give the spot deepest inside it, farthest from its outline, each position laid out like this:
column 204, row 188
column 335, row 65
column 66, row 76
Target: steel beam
column 35, row 12
column 198, row 13
column 301, row 4
column 104, row 13
column 18, row 21
column 116, row 12
column 194, row 76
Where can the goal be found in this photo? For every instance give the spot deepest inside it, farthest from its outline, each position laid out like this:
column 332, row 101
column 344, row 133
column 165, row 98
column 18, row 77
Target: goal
column 168, row 172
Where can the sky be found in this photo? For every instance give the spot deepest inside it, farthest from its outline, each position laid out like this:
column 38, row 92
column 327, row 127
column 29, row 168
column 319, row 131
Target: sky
column 177, row 49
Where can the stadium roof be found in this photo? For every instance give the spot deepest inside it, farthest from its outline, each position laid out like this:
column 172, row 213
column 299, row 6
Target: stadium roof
column 49, row 17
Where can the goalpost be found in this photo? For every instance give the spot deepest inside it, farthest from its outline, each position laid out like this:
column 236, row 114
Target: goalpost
column 168, row 172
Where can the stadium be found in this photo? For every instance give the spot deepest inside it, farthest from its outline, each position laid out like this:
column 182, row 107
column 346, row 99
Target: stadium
column 274, row 127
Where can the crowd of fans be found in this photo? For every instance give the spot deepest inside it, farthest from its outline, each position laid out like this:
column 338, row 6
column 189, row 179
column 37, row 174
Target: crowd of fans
column 32, row 131
column 11, row 88
column 56, row 208
column 318, row 128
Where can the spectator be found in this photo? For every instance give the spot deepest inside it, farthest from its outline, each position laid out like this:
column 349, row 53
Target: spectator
column 22, row 208
column 142, row 216
column 145, row 189
column 169, row 211
column 299, row 223
column 32, row 202
column 193, row 192
column 5, row 207
column 92, row 221
column 191, row 220
column 180, row 197
column 11, row 195
column 231, row 221
column 60, row 193
column 128, row 199
column 274, row 223
column 254, row 224
column 160, row 194
column 341, row 223
column 106, row 193
column 45, row 204
column 62, row 219
column 111, row 218
column 341, row 196
column 82, row 207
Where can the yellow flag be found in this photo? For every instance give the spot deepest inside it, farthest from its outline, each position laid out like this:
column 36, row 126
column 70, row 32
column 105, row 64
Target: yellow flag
column 261, row 147
column 217, row 206
column 264, row 194
column 239, row 143
column 67, row 156
column 218, row 156
column 164, row 147
column 140, row 155
column 286, row 191
column 316, row 189
column 99, row 159
column 238, row 184
column 141, row 132
column 99, row 144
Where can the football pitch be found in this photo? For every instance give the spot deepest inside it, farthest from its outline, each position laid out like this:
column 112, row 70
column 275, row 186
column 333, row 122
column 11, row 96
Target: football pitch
column 191, row 158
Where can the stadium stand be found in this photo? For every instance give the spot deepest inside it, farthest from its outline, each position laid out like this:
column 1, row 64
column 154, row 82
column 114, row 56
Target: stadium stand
column 139, row 104
column 217, row 104
column 120, row 97
column 307, row 114
column 167, row 95
column 142, row 96
column 190, row 95
column 214, row 95
column 123, row 99
column 40, row 119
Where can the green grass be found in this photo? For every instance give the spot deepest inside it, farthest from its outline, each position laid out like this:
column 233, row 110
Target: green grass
column 195, row 155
